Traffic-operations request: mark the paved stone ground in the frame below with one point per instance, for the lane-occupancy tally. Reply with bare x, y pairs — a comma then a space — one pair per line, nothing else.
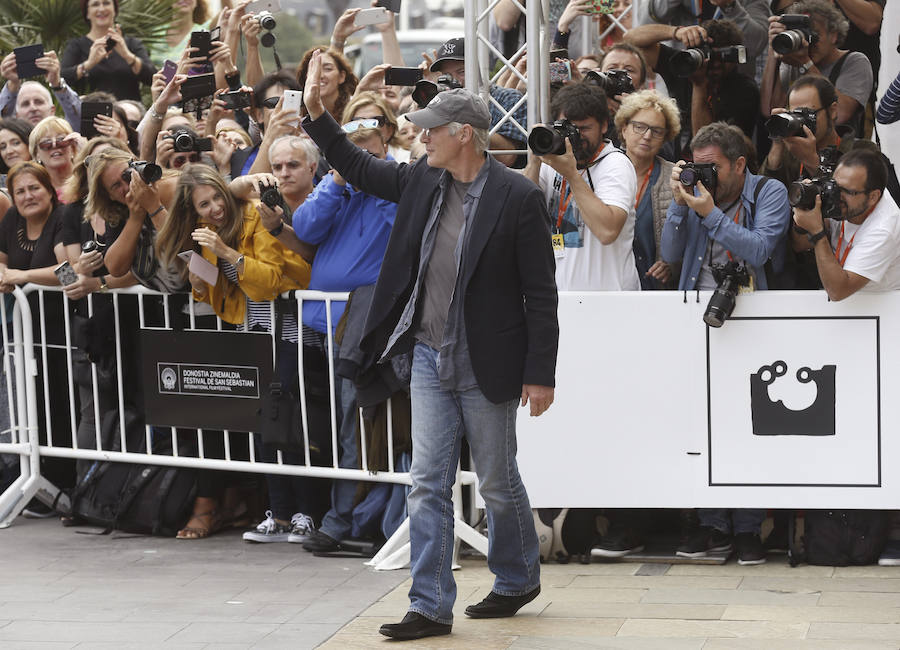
59, 589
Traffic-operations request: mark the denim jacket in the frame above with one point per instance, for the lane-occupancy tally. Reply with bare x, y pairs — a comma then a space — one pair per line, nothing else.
685, 234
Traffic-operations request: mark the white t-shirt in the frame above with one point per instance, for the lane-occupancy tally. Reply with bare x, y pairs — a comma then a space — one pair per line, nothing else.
586, 264
875, 251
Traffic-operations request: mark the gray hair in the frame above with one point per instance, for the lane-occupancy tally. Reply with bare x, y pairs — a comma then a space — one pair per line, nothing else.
480, 137
835, 21
727, 137
305, 145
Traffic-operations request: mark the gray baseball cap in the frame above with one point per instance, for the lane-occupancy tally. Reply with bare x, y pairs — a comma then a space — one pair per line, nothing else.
456, 105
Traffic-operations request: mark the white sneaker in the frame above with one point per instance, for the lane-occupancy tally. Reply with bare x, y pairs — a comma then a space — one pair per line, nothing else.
268, 530
302, 526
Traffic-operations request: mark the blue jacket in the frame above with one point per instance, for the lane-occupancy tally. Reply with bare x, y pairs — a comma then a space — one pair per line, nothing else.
685, 235
351, 230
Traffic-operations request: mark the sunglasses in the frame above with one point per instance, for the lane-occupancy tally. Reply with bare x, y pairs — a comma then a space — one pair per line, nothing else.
271, 102
180, 161
55, 143
381, 119
356, 125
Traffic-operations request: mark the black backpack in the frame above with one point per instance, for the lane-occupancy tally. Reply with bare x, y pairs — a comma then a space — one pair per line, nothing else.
840, 537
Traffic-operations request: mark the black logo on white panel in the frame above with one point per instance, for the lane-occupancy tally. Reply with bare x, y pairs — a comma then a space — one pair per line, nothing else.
773, 418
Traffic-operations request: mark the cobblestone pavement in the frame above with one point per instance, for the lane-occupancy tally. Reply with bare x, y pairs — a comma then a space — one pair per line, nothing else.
60, 589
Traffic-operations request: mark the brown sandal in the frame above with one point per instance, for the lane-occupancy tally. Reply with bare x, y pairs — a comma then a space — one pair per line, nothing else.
201, 532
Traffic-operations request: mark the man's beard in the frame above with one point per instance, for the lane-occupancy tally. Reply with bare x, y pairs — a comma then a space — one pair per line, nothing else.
585, 153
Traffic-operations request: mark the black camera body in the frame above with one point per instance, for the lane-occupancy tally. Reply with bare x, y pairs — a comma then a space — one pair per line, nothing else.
613, 82
687, 62
148, 171
797, 27
791, 123
185, 141
551, 139
89, 246
235, 99
803, 195
273, 198
706, 173
426, 90
729, 277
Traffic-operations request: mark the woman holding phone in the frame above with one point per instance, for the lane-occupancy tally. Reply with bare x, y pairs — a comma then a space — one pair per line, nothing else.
105, 59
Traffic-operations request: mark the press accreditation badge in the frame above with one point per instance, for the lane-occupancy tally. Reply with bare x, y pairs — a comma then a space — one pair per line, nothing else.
559, 246
750, 288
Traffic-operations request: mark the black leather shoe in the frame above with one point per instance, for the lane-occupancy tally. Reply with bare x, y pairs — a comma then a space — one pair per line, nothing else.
414, 626
497, 606
319, 542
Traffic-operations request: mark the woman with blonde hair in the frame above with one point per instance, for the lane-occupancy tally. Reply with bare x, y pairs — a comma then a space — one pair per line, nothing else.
645, 122
371, 105
53, 144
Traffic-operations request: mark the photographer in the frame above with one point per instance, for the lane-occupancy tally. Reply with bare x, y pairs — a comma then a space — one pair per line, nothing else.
740, 220
29, 100
622, 56
590, 192
817, 53
732, 102
859, 246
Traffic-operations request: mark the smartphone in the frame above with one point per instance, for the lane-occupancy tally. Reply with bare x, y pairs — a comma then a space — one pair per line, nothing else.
402, 76
559, 53
602, 7
373, 16
169, 69
110, 44
66, 274
235, 99
90, 110
197, 86
25, 60
390, 5
202, 41
293, 101
560, 72
263, 5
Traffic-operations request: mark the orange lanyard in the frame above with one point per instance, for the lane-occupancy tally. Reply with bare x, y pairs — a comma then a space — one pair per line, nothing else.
837, 253
737, 220
565, 200
640, 193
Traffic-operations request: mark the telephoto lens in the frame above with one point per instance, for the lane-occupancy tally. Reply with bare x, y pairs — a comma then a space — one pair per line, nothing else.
149, 172
687, 62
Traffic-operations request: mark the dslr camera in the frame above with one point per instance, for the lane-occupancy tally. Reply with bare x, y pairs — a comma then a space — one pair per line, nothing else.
270, 195
703, 172
613, 82
786, 125
803, 195
426, 90
797, 28
687, 62
187, 141
552, 139
730, 277
149, 172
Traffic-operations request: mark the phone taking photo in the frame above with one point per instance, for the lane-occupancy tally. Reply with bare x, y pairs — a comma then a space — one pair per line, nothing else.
90, 110
65, 274
373, 16
293, 101
402, 76
25, 60
201, 40
169, 69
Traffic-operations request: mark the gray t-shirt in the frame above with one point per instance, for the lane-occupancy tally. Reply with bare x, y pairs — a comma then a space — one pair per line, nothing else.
854, 80
440, 277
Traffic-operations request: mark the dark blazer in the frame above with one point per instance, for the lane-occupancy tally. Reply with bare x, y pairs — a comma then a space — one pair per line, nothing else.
509, 282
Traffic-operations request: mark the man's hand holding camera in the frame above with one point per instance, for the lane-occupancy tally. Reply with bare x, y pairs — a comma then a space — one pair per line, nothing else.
564, 164
702, 203
810, 220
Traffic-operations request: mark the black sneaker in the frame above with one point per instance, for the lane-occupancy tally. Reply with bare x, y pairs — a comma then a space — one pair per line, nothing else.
777, 541
38, 510
749, 549
705, 540
890, 556
319, 542
618, 543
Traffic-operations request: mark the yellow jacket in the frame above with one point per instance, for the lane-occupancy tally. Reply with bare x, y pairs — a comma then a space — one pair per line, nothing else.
269, 269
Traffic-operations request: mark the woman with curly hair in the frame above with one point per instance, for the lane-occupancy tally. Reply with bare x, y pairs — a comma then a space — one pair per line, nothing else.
338, 81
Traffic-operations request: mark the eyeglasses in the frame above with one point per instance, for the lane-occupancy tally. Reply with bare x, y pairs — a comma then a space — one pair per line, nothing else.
180, 161
271, 102
844, 190
356, 125
640, 128
381, 119
54, 143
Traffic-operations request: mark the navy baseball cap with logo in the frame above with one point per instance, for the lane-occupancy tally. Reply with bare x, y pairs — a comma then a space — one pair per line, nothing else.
452, 50
456, 105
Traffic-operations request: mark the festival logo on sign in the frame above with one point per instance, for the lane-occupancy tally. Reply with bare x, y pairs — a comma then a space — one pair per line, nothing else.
773, 418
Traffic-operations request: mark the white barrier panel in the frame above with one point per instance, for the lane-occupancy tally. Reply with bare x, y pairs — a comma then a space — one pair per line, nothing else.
654, 409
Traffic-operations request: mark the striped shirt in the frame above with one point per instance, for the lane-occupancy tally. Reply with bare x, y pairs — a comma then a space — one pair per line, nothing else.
259, 314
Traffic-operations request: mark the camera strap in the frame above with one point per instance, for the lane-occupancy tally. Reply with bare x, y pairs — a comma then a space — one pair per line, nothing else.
837, 253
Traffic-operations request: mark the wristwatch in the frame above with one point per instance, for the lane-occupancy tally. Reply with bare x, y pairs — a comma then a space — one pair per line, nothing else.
804, 68
104, 288
277, 229
815, 238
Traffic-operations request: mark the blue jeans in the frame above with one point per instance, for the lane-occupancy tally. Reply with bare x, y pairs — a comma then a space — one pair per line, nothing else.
439, 419
737, 520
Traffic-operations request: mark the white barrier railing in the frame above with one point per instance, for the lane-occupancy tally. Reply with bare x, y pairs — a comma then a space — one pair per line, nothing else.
21, 355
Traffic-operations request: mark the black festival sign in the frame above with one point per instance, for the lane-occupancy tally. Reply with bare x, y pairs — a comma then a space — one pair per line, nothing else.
775, 419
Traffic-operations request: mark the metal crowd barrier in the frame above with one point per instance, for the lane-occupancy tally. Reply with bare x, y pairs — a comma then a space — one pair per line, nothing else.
23, 355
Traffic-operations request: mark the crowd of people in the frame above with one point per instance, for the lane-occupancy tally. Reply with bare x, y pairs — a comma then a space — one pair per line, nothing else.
727, 137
